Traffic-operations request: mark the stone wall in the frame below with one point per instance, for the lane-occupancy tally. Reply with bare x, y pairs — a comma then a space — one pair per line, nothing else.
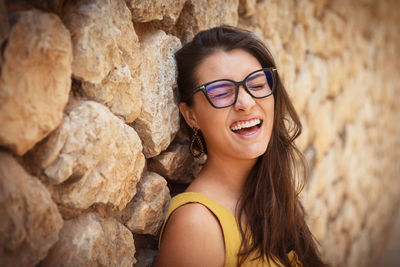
90, 143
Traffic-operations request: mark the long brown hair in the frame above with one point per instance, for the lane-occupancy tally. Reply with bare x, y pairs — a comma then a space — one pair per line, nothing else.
275, 216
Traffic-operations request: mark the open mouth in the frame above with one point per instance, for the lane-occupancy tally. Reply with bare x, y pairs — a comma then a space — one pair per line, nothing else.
246, 127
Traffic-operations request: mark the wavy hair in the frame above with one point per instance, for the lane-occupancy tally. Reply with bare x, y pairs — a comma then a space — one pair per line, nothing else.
270, 199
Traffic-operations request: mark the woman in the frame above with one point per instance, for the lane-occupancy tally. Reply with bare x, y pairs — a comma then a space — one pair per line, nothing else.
232, 98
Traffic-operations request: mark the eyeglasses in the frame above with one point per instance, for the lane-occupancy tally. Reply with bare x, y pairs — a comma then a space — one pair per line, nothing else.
223, 93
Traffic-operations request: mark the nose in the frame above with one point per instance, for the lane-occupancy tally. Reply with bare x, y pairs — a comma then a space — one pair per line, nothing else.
244, 100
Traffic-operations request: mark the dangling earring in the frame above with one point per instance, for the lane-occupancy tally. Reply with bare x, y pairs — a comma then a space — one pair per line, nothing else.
196, 137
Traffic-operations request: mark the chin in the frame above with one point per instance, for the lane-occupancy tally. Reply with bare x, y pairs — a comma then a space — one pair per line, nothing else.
252, 154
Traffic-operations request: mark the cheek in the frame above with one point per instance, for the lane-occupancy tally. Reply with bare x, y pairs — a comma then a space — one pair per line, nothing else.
213, 127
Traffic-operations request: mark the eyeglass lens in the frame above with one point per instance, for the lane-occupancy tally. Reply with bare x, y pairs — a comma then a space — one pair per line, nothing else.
223, 93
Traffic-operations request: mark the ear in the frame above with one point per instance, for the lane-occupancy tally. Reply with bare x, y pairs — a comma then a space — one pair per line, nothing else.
188, 114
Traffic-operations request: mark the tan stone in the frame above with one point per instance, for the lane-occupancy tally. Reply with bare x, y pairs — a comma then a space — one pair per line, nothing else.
320, 118
194, 18
302, 88
103, 38
325, 173
176, 163
336, 78
35, 79
247, 7
275, 46
96, 153
311, 76
287, 71
286, 15
319, 9
358, 251
318, 218
351, 221
344, 9
119, 91
334, 27
296, 46
144, 11
265, 9
158, 121
106, 54
334, 198
30, 221
92, 241
146, 212
316, 38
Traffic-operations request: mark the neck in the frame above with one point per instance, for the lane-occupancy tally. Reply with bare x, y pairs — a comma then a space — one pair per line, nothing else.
226, 175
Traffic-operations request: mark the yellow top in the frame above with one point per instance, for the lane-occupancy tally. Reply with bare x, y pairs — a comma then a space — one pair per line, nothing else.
229, 226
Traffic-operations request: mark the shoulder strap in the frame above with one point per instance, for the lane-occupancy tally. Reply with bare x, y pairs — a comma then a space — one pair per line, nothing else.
226, 219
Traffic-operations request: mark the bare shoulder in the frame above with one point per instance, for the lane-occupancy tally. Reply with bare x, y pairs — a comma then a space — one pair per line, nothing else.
192, 237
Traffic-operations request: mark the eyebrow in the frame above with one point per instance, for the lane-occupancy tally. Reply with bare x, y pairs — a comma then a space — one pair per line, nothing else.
252, 77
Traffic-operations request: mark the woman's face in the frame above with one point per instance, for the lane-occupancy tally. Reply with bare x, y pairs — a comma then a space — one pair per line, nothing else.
229, 132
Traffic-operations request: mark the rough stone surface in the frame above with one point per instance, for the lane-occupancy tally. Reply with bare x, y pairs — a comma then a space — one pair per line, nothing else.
145, 214
265, 9
144, 11
30, 221
119, 91
247, 7
95, 154
92, 241
35, 79
194, 18
158, 121
102, 35
106, 54
176, 163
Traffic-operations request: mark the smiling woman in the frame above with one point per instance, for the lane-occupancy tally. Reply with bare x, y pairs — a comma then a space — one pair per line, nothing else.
242, 209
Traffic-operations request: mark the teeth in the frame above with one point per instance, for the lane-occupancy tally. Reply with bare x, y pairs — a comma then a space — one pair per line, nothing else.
245, 124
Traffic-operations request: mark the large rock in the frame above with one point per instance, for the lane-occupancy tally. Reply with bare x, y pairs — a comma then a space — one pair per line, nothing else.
302, 89
264, 9
176, 163
145, 11
247, 7
304, 12
194, 18
119, 91
106, 54
95, 154
286, 15
158, 121
321, 123
92, 241
296, 46
35, 79
102, 35
145, 214
336, 27
30, 221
